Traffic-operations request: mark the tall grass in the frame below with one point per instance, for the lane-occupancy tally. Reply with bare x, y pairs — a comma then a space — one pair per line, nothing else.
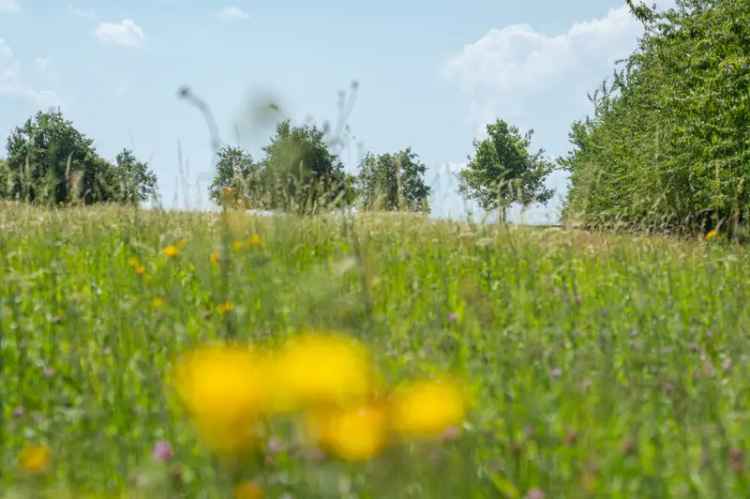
601, 366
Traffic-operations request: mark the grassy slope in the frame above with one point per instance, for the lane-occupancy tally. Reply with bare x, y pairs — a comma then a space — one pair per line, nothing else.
602, 366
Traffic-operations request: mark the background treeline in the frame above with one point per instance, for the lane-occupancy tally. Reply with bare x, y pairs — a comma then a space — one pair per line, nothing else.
300, 173
668, 146
50, 162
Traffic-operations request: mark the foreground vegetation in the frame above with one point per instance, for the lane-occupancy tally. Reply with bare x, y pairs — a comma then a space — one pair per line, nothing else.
598, 366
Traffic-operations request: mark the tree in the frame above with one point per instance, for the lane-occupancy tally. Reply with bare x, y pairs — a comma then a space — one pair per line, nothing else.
49, 161
135, 182
503, 171
393, 182
668, 145
44, 154
236, 171
300, 172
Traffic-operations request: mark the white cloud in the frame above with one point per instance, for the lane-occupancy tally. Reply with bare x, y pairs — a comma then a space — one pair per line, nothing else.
508, 69
12, 85
125, 33
233, 13
9, 6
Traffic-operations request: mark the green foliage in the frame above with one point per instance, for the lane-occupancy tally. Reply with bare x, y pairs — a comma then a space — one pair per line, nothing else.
298, 174
393, 182
51, 162
236, 170
503, 171
668, 146
135, 181
300, 171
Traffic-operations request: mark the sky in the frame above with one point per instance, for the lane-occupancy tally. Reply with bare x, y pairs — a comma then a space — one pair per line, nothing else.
430, 76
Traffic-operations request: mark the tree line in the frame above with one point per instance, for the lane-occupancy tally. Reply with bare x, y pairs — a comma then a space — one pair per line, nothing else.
50, 162
668, 145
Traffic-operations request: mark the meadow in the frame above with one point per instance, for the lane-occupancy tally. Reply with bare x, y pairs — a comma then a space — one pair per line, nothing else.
595, 365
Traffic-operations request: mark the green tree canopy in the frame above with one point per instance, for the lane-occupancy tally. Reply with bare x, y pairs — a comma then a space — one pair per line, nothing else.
301, 173
393, 182
236, 170
503, 171
49, 161
668, 145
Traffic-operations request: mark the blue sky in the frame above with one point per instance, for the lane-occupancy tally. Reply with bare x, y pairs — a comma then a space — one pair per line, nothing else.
431, 74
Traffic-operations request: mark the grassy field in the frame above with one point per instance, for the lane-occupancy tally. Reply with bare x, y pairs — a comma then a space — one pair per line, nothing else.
598, 365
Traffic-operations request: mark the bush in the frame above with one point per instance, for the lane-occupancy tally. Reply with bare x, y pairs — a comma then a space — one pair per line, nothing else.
668, 145
51, 162
393, 182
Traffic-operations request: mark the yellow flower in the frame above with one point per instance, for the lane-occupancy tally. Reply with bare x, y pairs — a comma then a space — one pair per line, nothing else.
254, 241
139, 270
427, 409
171, 251
158, 303
224, 389
322, 369
353, 434
215, 257
35, 459
133, 261
225, 308
713, 234
248, 490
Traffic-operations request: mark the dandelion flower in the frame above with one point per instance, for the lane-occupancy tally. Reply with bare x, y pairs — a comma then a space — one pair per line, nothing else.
353, 434
713, 234
35, 459
171, 251
427, 409
224, 390
215, 257
248, 490
139, 270
322, 369
225, 308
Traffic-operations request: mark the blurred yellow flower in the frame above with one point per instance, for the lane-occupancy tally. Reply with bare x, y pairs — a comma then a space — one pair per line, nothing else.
427, 409
158, 303
248, 490
254, 241
322, 369
171, 251
354, 434
139, 269
224, 389
713, 234
215, 257
225, 308
35, 459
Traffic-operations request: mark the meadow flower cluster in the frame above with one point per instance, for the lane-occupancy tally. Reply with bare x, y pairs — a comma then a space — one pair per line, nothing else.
327, 384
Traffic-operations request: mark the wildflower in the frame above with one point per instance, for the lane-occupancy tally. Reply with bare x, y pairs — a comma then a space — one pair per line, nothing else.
321, 369
225, 308
224, 390
162, 451
536, 494
171, 251
254, 241
139, 270
133, 261
427, 409
35, 459
712, 234
158, 303
215, 257
248, 490
353, 434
